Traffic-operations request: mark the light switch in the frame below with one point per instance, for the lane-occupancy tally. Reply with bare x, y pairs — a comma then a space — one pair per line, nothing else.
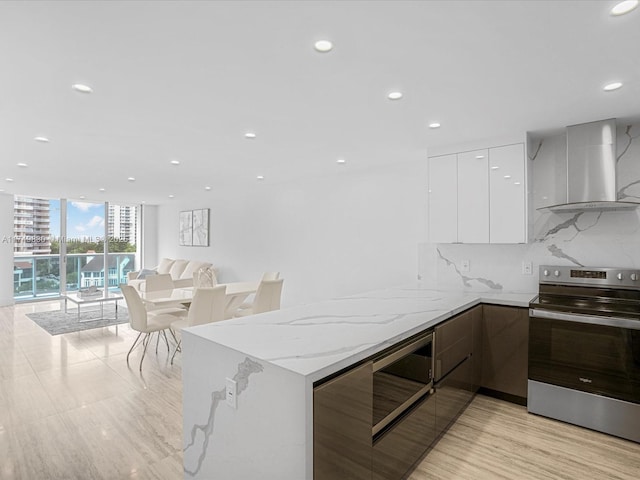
527, 268
231, 393
465, 266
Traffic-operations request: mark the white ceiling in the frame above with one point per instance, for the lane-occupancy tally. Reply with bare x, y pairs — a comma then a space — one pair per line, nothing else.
185, 80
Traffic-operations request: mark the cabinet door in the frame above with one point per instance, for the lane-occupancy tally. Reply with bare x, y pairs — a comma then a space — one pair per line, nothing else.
342, 413
505, 349
453, 342
473, 197
507, 215
453, 394
477, 320
443, 199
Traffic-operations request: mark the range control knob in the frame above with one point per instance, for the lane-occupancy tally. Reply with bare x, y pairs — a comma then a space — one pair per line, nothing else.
620, 276
545, 273
634, 277
556, 273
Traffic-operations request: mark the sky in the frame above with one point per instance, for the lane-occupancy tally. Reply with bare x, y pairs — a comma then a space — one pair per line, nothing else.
83, 220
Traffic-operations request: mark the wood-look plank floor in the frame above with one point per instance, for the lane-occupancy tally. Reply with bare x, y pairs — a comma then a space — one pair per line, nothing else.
493, 439
71, 408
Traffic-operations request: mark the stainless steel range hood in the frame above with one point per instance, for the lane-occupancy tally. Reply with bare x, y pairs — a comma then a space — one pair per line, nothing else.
591, 169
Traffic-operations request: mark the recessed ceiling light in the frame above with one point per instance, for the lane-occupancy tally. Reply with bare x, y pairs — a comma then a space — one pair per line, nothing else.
172, 196
132, 179
260, 177
394, 95
22, 165
41, 139
101, 189
82, 197
207, 188
249, 135
434, 125
507, 176
495, 168
323, 46
175, 162
612, 86
624, 7
143, 201
479, 156
9, 179
516, 183
341, 161
79, 87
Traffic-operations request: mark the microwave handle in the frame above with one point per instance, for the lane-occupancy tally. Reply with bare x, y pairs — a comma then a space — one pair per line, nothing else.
403, 352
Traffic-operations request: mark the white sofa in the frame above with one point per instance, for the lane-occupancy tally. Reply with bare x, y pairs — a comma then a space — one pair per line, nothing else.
181, 272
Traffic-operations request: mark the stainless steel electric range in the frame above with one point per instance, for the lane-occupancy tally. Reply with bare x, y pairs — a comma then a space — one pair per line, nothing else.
584, 348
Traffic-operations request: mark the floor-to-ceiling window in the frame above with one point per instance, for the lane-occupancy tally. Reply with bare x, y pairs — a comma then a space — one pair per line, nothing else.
36, 269
67, 245
122, 227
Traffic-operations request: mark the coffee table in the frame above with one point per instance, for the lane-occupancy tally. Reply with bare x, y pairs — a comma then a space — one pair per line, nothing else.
87, 299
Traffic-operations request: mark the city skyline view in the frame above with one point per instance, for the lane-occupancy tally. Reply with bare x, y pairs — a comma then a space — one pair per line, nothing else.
38, 225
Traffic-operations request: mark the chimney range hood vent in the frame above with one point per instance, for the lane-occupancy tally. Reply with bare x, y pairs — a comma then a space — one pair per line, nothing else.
591, 169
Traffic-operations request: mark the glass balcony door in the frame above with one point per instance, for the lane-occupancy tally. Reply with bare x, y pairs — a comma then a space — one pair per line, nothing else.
83, 247
67, 245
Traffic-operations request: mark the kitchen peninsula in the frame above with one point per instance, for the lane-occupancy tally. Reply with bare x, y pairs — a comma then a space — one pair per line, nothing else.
249, 383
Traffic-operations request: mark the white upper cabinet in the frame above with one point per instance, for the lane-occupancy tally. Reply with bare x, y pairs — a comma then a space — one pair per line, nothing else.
478, 196
507, 190
473, 197
443, 199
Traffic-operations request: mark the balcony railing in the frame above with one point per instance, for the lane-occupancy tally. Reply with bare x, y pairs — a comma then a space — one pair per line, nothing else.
38, 276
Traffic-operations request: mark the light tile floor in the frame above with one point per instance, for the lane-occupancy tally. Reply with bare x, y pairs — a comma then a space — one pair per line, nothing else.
71, 408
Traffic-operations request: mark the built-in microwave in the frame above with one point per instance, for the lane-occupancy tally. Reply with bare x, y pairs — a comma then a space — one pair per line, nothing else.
401, 378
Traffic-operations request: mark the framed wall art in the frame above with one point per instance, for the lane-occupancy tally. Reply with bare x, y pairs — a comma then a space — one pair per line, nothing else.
194, 228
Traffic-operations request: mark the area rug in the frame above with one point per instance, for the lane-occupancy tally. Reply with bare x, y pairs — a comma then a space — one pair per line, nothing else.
57, 322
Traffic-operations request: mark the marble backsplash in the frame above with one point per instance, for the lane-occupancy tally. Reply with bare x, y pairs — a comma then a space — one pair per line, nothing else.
595, 239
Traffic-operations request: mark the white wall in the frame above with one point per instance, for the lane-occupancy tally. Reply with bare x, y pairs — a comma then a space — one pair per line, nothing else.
148, 236
331, 236
6, 249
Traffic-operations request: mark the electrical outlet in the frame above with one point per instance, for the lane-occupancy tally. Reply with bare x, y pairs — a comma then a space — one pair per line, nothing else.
527, 268
464, 266
231, 393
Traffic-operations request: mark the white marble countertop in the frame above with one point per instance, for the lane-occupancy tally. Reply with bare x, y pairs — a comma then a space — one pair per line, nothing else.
319, 339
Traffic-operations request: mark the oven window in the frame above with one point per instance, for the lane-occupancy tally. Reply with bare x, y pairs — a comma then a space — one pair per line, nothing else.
593, 358
398, 382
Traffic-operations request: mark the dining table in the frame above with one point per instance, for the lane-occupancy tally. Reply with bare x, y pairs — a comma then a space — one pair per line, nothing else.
236, 293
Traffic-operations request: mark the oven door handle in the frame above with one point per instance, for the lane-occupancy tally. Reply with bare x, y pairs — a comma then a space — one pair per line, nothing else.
592, 319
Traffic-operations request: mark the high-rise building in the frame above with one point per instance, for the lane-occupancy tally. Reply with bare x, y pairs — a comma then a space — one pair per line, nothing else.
31, 226
122, 223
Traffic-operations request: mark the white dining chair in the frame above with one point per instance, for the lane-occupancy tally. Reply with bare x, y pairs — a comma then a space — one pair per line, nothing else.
267, 298
204, 277
161, 281
265, 276
147, 322
207, 306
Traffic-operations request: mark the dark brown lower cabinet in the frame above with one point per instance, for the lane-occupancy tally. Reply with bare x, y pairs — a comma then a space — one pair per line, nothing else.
476, 320
484, 346
397, 449
453, 393
505, 349
342, 412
